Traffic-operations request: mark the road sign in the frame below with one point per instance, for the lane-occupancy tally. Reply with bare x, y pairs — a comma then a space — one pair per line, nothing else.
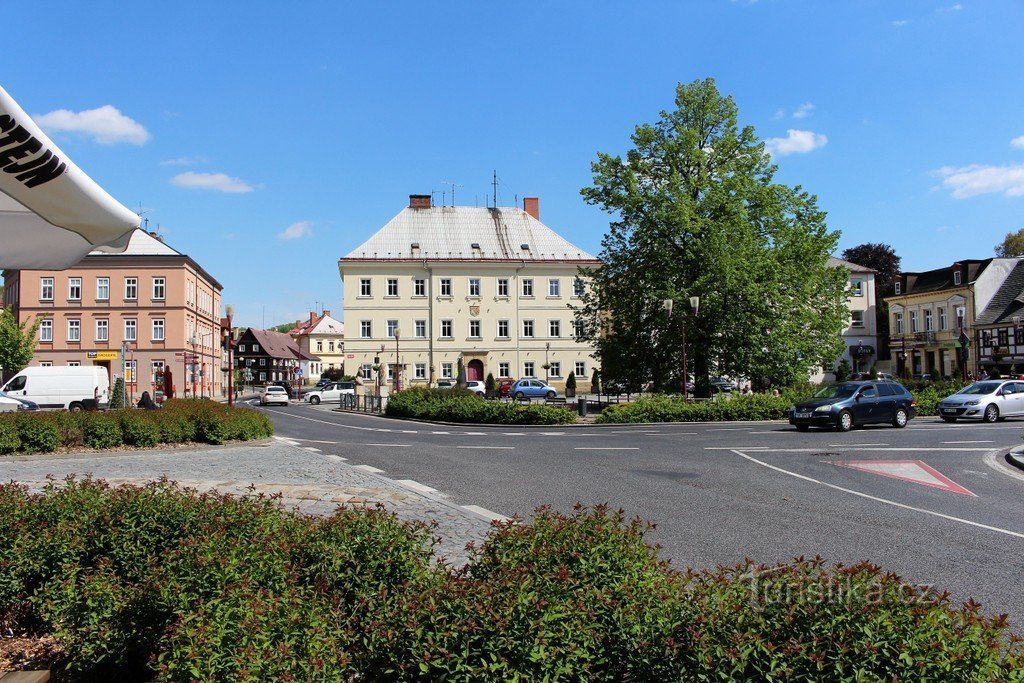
908, 470
298, 372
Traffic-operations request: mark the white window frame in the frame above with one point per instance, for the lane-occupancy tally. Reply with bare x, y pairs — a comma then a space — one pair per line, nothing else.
419, 371
446, 329
504, 368
555, 369
131, 330
420, 329
503, 286
74, 330
366, 371
255, 348
554, 329
419, 286
554, 287
528, 329
928, 320
74, 363
74, 289
474, 329
159, 288
578, 287
392, 287
159, 328
957, 278
913, 322
896, 288
856, 286
102, 330
527, 287
898, 322
856, 321
529, 369
366, 329
131, 289
580, 368
943, 320
46, 289
365, 287
392, 328
474, 287
447, 371
445, 286
503, 329
103, 289
46, 330
578, 329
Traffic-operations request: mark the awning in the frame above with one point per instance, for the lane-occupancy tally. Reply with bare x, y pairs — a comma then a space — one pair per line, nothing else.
51, 213
861, 350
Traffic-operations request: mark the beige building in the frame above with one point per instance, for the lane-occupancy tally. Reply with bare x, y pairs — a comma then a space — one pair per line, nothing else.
492, 287
860, 336
323, 337
156, 302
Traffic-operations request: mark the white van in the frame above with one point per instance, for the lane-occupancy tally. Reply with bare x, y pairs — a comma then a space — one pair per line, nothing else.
61, 386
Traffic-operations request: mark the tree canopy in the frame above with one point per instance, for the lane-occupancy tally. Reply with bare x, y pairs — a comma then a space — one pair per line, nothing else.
1012, 245
17, 342
879, 257
696, 212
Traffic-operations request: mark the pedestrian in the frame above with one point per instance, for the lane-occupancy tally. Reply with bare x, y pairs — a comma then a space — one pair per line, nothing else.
146, 403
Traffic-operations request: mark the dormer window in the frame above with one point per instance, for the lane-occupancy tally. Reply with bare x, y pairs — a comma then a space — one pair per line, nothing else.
475, 246
524, 246
897, 287
956, 277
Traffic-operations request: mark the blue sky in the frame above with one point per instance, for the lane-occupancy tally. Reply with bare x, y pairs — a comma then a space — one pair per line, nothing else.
269, 139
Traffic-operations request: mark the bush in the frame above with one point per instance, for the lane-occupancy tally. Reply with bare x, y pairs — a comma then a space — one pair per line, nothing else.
38, 432
118, 397
659, 408
102, 430
138, 429
456, 405
9, 439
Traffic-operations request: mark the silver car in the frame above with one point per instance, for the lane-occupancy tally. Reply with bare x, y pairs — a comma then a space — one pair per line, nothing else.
988, 400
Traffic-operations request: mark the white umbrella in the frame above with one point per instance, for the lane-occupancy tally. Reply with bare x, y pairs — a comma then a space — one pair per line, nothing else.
51, 213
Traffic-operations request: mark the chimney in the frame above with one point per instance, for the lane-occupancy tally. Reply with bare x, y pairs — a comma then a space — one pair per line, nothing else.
419, 201
327, 311
531, 205
312, 317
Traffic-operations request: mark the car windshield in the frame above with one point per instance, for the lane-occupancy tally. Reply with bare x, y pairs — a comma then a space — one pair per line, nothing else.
979, 388
275, 390
836, 391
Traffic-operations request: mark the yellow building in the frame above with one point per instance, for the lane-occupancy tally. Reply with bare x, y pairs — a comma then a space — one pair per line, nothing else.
492, 287
321, 336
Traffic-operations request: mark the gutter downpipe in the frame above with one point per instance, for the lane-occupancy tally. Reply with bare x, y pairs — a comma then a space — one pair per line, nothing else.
430, 322
519, 291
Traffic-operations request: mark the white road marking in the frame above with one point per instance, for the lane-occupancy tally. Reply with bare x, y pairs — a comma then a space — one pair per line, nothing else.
295, 438
336, 458
368, 468
500, 448
885, 501
513, 433
416, 486
607, 448
847, 445
552, 433
965, 442
440, 432
818, 450
310, 448
385, 445
474, 433
728, 429
486, 513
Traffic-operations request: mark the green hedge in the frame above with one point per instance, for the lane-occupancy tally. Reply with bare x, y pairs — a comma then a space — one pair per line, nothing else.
155, 581
180, 421
455, 405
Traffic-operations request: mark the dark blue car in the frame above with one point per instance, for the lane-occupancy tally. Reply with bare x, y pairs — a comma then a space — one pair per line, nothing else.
846, 405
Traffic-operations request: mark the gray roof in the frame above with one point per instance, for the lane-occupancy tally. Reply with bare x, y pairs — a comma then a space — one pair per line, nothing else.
1008, 299
449, 233
834, 262
142, 243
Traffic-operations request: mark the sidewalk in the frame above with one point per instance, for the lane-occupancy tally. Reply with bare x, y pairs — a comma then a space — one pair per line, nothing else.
309, 482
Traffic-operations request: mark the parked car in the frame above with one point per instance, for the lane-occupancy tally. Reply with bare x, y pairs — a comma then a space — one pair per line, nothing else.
331, 393
988, 400
323, 381
853, 404
287, 386
529, 388
722, 384
445, 384
505, 385
924, 377
273, 393
12, 404
477, 387
61, 386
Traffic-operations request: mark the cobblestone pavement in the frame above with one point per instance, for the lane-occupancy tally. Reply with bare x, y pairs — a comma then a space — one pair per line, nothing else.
309, 482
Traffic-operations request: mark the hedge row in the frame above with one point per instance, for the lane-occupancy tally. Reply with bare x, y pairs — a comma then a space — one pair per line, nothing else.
456, 405
141, 582
180, 421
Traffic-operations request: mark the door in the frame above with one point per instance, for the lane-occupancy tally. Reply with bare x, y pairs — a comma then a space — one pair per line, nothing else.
865, 405
1013, 396
475, 370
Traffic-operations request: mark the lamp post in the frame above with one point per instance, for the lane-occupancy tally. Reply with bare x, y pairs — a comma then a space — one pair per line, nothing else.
860, 354
230, 310
192, 362
694, 307
398, 364
964, 340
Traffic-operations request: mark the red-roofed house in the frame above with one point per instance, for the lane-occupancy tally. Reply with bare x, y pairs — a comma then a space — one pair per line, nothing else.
321, 336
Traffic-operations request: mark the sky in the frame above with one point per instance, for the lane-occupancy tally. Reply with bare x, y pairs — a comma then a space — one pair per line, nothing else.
267, 140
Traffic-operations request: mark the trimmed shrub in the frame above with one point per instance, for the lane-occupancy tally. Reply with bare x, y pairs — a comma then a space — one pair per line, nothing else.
9, 439
102, 430
138, 429
659, 408
456, 405
38, 432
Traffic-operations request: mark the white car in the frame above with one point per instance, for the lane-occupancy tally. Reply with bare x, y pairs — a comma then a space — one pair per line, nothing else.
331, 393
477, 387
10, 404
273, 394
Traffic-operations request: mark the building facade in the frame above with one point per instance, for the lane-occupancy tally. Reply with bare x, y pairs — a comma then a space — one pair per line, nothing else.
322, 337
491, 289
860, 336
934, 315
999, 328
143, 310
266, 356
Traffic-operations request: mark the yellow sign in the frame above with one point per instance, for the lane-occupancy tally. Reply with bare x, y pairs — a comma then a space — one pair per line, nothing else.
102, 355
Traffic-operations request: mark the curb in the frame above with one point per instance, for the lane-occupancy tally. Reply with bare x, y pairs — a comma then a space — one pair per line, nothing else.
183, 448
1016, 457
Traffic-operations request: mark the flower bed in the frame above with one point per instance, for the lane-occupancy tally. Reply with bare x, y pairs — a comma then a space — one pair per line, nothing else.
180, 421
141, 582
454, 405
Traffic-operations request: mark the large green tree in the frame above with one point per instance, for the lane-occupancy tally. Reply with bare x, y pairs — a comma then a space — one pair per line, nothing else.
17, 343
1012, 245
696, 212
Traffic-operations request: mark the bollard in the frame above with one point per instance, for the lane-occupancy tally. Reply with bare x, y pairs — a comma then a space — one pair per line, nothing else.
581, 406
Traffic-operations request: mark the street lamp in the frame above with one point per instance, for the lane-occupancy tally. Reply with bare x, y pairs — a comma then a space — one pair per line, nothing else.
860, 354
229, 342
398, 364
694, 307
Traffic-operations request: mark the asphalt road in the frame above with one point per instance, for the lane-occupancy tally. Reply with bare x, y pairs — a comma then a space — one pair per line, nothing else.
722, 492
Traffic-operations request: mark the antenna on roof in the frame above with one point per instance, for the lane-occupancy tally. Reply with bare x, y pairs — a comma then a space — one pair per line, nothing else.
494, 185
144, 222
454, 185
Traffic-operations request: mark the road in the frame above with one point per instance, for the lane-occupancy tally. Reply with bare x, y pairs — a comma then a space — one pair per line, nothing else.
931, 502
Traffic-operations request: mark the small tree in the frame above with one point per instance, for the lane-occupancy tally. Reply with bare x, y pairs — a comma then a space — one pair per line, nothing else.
873, 372
595, 382
843, 370
490, 386
17, 342
570, 385
118, 399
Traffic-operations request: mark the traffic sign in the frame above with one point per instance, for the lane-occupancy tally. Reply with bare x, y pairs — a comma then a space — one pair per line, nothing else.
298, 372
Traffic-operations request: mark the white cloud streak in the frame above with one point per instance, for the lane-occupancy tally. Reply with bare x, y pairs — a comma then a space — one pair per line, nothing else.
1017, 143
795, 142
296, 231
106, 125
901, 22
970, 181
184, 161
217, 182
803, 111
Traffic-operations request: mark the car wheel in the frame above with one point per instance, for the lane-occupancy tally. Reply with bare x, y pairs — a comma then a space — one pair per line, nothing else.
845, 421
315, 400
802, 428
948, 419
75, 407
991, 413
519, 395
900, 418
551, 394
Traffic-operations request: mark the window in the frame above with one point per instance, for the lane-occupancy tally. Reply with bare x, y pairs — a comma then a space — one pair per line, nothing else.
391, 372
913, 321
503, 329
898, 322
502, 286
555, 370
392, 286
319, 345
577, 287
255, 348
527, 328
474, 286
46, 331
528, 369
896, 288
46, 363
446, 286
159, 288
856, 287
74, 330
46, 289
364, 287
330, 346
75, 288
504, 369
365, 329
157, 370
419, 371
420, 327
263, 377
102, 329
928, 320
554, 287
419, 287
158, 329
241, 348
986, 338
527, 287
578, 329
74, 364
581, 368
554, 328
131, 330
1018, 336
103, 289
446, 371
474, 329
1004, 337
366, 371
263, 362
943, 324
858, 319
392, 328
131, 288
446, 328
956, 277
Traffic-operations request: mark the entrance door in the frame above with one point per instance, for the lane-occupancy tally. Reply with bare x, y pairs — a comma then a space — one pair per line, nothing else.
475, 370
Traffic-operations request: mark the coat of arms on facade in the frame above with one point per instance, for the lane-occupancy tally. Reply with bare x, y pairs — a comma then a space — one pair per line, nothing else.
474, 309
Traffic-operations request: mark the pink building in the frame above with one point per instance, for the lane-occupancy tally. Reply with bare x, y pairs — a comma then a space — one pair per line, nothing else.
145, 310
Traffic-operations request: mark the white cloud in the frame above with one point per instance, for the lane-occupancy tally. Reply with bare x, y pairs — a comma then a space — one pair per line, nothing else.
296, 231
1017, 143
952, 8
803, 111
901, 22
970, 181
105, 125
218, 182
184, 161
795, 142
779, 114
